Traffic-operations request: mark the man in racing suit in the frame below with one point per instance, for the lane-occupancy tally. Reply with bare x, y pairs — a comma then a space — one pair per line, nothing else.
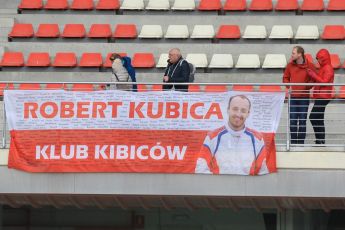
233, 148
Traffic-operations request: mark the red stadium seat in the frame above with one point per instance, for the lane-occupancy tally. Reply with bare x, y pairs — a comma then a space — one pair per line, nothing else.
215, 88
21, 31
65, 60
312, 5
235, 5
29, 86
107, 62
100, 31
4, 86
333, 32
56, 5
126, 31
48, 31
82, 5
245, 88
30, 5
108, 5
341, 92
54, 86
206, 5
309, 58
82, 87
335, 60
286, 5
38, 60
143, 60
90, 60
12, 59
74, 31
229, 32
261, 5
142, 88
157, 88
194, 88
336, 5
270, 88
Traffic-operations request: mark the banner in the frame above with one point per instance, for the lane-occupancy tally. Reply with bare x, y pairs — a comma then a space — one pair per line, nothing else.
150, 132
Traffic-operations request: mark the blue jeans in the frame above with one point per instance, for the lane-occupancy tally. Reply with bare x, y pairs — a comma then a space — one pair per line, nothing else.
298, 119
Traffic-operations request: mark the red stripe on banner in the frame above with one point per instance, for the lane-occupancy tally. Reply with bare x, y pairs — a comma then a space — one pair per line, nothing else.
146, 151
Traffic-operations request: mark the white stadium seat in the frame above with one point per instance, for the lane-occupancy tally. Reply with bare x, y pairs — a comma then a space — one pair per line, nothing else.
307, 32
158, 5
183, 5
151, 31
255, 32
274, 61
162, 62
281, 32
203, 31
248, 61
221, 61
198, 60
177, 31
132, 5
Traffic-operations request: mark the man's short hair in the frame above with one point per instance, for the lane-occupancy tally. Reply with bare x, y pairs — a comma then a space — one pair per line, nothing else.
177, 50
114, 56
240, 96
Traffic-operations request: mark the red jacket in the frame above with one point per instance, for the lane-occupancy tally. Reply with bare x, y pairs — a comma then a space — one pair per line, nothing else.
297, 73
325, 75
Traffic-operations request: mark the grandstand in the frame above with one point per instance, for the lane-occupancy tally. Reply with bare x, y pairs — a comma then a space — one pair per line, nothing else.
232, 43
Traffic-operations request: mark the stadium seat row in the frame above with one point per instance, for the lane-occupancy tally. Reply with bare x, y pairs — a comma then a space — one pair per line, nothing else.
147, 60
204, 5
143, 88
129, 31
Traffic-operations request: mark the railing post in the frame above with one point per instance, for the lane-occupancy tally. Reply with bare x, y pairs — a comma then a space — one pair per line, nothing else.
4, 126
288, 122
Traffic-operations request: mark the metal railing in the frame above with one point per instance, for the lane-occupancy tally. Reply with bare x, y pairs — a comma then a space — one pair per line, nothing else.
334, 114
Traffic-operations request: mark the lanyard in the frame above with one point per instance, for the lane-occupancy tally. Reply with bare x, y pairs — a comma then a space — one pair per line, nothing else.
174, 69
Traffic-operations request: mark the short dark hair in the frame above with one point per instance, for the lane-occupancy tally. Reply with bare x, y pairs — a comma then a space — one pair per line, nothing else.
240, 96
114, 56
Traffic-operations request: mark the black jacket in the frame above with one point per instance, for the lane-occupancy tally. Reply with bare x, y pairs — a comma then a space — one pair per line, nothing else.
178, 72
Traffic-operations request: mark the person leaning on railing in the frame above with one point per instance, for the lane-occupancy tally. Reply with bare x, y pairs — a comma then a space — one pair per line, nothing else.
322, 94
296, 72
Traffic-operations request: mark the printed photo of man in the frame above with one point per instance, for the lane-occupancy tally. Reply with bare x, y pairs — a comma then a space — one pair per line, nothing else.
233, 148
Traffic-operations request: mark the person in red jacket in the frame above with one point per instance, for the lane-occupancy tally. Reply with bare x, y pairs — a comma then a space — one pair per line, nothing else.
296, 72
322, 94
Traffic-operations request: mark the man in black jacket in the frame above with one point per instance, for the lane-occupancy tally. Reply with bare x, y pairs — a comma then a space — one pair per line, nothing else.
177, 71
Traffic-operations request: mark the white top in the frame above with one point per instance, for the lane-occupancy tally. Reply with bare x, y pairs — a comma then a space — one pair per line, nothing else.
233, 151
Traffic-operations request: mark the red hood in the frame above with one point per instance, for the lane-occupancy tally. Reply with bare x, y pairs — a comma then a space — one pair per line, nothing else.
323, 57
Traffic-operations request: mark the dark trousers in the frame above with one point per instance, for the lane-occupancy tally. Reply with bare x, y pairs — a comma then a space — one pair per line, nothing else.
316, 117
298, 119
182, 88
